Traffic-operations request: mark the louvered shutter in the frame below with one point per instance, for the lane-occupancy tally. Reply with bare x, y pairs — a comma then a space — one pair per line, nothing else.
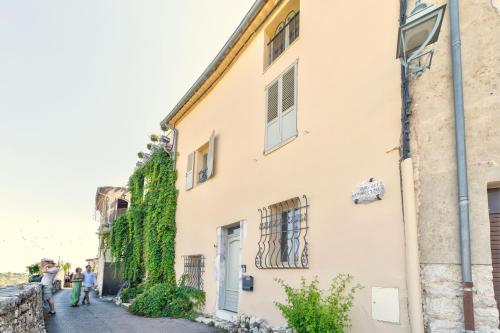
210, 158
273, 136
190, 171
288, 104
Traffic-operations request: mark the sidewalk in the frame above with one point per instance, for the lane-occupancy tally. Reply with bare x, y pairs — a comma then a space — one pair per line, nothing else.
102, 316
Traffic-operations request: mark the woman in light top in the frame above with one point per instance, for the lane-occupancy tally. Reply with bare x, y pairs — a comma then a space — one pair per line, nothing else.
76, 287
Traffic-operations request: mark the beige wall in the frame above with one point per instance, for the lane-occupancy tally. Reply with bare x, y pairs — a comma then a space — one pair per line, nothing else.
348, 122
433, 152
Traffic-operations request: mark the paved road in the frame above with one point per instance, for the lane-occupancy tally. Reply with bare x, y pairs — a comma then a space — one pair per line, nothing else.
103, 316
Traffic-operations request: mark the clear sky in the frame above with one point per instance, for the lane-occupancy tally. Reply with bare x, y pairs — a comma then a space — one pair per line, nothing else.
82, 85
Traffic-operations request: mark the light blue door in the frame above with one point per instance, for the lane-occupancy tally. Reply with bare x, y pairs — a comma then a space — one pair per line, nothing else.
232, 280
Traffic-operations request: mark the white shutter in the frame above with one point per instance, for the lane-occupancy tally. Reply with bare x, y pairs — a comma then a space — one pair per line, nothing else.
288, 104
273, 136
210, 158
190, 171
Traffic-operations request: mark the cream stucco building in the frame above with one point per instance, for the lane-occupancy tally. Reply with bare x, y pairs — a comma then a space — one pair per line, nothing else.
110, 203
301, 107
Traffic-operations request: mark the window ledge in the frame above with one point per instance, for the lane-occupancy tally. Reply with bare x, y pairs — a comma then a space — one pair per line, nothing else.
278, 146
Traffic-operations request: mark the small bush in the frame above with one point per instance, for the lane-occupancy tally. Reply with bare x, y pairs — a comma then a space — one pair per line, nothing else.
166, 300
129, 294
308, 311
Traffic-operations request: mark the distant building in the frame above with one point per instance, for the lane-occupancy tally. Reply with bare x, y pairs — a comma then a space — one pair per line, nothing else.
110, 203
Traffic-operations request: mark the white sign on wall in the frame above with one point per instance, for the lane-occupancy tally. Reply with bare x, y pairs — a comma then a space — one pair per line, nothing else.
368, 191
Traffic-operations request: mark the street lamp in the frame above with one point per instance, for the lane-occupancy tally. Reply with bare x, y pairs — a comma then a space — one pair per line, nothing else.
420, 30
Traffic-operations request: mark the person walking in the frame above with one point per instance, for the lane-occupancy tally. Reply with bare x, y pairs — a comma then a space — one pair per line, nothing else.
76, 287
89, 280
49, 273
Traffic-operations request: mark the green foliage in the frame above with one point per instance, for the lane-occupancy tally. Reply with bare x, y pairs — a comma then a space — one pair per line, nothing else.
308, 311
140, 154
129, 294
167, 300
143, 239
34, 268
154, 137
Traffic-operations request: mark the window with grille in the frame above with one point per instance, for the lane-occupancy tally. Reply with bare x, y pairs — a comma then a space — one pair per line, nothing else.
281, 110
194, 266
286, 33
283, 235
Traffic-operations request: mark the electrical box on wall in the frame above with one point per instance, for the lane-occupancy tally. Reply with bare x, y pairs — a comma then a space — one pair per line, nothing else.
385, 304
247, 283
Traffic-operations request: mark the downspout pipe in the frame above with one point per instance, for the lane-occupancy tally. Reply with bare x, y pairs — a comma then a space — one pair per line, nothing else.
461, 156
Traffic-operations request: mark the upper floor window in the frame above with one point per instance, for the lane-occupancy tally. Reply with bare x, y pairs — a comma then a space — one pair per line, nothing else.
286, 33
281, 110
201, 163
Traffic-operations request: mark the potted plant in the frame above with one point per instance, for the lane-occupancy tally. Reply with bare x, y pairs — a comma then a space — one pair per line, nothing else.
164, 140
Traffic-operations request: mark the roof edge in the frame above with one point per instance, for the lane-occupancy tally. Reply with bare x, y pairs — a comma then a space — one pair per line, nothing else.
231, 42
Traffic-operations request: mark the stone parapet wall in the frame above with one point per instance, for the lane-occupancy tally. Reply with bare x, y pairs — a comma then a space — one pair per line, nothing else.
21, 309
442, 298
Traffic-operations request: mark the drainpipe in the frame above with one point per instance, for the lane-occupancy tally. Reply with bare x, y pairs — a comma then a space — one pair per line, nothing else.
463, 191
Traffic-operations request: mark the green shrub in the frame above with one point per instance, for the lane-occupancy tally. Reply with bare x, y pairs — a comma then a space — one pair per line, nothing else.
308, 311
166, 300
129, 294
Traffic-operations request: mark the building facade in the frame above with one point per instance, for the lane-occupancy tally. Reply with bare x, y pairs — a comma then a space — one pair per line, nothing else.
110, 203
434, 164
300, 115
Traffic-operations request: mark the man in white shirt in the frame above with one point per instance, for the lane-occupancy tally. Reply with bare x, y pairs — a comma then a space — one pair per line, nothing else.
89, 280
49, 273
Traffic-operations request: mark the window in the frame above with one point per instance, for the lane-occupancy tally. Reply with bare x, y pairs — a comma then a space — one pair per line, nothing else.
205, 167
286, 33
283, 231
281, 110
194, 266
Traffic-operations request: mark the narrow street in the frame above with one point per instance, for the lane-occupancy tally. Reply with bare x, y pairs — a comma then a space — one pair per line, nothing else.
103, 316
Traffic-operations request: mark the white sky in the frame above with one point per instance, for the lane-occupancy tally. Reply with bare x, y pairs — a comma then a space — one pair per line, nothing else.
82, 85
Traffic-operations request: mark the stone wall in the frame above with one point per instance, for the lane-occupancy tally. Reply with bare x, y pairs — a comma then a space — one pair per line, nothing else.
442, 297
21, 309
433, 155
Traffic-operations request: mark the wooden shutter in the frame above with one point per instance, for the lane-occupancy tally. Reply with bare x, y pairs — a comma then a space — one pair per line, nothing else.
273, 136
288, 104
190, 171
210, 158
494, 208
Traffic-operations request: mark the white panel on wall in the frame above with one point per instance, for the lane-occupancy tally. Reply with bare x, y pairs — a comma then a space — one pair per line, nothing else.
385, 304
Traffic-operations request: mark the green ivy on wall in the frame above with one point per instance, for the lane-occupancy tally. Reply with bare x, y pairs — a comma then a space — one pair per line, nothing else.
142, 241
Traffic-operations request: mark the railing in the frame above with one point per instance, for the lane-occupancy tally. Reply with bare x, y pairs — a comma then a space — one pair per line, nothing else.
283, 235
203, 176
286, 36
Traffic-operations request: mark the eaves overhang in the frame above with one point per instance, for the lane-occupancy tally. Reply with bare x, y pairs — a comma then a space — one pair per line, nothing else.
252, 21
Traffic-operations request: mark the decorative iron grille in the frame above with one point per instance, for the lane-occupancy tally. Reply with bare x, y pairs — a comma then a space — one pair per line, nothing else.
287, 32
283, 235
194, 266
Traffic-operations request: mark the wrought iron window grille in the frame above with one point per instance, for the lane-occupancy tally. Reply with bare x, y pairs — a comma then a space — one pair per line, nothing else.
202, 175
194, 266
283, 235
286, 33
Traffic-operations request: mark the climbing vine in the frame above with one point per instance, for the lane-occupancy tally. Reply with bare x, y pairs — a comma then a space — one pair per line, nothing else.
142, 241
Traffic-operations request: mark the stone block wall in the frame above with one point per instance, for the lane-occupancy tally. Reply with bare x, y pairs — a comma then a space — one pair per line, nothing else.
21, 309
442, 298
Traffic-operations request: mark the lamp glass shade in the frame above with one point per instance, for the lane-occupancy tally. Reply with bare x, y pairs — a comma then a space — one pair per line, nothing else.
415, 32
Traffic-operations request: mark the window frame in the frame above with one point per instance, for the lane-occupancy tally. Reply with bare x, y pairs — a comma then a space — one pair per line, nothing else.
280, 76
